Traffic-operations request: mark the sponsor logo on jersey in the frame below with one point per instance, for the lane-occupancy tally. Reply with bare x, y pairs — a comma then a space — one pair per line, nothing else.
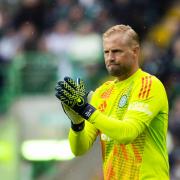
140, 107
123, 101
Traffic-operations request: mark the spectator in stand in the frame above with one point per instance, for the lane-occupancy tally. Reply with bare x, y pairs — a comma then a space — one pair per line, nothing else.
31, 11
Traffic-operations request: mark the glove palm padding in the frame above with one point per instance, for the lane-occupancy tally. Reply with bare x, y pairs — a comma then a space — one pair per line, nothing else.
72, 115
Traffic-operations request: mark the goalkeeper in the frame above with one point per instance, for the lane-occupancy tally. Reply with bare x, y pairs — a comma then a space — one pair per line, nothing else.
130, 113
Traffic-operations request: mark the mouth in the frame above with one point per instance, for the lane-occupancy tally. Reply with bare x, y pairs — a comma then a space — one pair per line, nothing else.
109, 65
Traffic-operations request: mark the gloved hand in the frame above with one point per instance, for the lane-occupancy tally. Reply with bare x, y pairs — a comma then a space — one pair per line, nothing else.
74, 95
72, 115
77, 122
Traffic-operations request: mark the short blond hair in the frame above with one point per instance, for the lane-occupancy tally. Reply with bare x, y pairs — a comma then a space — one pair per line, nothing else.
123, 29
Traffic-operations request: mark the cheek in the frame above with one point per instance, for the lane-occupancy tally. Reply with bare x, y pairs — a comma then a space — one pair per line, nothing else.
130, 61
105, 56
124, 60
121, 58
128, 57
106, 59
106, 63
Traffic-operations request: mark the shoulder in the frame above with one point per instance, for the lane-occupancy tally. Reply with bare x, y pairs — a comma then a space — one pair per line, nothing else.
103, 91
146, 79
104, 86
147, 84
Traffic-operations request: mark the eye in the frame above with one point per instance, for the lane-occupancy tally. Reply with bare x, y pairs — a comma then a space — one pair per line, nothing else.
106, 52
117, 51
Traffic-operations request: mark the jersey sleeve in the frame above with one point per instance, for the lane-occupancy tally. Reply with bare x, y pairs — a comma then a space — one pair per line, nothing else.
82, 141
147, 100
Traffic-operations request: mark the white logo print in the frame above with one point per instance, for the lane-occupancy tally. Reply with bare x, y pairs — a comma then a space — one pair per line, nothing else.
140, 107
104, 137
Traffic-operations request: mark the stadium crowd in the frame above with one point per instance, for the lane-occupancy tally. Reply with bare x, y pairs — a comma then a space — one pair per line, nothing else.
70, 32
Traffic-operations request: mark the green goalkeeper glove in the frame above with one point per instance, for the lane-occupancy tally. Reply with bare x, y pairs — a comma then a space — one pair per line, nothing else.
74, 95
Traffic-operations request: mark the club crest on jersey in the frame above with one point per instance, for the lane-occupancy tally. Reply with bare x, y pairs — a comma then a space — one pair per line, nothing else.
123, 101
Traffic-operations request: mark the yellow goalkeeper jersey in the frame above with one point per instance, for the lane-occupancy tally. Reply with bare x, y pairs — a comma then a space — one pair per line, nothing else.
131, 119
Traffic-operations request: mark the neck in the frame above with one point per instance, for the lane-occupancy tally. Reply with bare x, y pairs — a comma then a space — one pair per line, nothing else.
128, 74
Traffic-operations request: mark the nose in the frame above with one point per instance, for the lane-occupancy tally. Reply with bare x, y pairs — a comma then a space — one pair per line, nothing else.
111, 56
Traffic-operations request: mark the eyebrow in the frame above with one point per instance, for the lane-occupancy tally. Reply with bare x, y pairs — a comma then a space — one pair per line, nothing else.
113, 50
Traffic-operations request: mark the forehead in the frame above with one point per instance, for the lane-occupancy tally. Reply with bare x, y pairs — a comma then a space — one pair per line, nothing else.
115, 40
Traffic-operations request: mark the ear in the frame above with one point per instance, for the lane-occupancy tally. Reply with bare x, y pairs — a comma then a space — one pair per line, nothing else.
136, 51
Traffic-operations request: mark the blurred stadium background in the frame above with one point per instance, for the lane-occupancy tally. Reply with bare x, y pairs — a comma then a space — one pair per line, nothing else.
41, 41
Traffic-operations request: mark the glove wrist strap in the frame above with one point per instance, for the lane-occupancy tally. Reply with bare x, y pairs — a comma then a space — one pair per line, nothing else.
78, 127
87, 111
